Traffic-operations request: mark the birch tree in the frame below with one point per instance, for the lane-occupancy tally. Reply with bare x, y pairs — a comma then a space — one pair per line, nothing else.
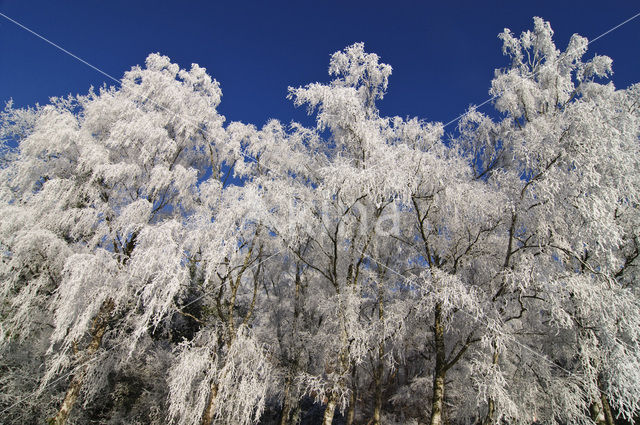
566, 154
107, 179
376, 265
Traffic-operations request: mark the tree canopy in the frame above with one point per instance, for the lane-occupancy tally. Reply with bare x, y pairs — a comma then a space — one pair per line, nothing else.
162, 266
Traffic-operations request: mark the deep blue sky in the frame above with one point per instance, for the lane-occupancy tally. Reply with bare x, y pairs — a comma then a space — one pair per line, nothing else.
443, 53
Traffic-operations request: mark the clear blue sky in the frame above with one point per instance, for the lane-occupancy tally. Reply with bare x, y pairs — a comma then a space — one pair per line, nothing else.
443, 53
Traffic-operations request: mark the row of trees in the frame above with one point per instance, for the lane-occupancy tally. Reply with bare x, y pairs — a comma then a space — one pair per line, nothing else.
160, 265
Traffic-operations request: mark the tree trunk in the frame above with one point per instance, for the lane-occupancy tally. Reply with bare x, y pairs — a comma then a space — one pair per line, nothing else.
98, 329
286, 411
606, 409
329, 411
490, 412
597, 415
378, 373
69, 400
286, 404
601, 411
491, 405
293, 364
351, 410
343, 365
437, 402
207, 418
377, 377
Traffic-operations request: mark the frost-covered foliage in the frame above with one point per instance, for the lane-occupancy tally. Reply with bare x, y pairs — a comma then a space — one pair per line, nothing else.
160, 266
202, 373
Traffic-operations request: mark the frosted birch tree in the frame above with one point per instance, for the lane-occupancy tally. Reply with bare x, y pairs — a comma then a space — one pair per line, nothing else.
108, 180
370, 263
352, 196
565, 153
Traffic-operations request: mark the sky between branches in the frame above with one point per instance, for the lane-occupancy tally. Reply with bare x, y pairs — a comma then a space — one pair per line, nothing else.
443, 55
